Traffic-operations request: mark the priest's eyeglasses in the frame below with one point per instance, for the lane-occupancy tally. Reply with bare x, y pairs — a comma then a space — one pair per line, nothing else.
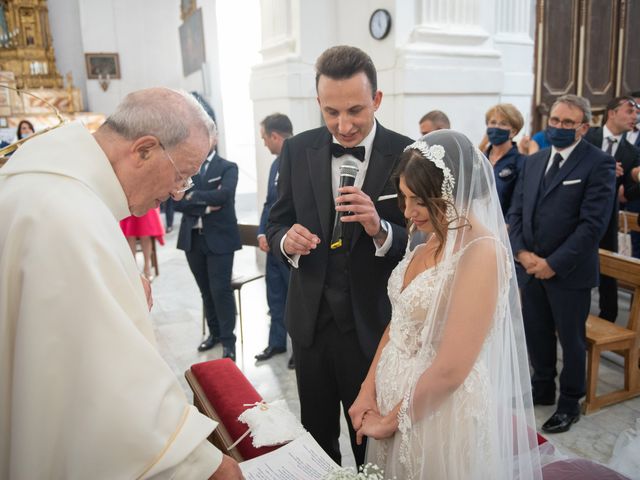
187, 183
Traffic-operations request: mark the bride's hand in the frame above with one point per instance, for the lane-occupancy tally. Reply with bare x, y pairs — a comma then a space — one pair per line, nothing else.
376, 426
365, 401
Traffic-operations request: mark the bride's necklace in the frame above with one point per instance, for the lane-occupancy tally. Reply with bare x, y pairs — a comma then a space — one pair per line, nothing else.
428, 251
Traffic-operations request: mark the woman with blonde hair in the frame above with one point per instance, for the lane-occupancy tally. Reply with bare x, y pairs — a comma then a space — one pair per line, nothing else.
504, 121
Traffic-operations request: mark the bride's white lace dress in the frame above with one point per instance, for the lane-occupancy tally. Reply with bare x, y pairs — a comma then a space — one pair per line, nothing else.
447, 443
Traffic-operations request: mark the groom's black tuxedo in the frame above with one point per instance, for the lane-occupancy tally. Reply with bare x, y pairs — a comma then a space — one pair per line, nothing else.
305, 197
337, 305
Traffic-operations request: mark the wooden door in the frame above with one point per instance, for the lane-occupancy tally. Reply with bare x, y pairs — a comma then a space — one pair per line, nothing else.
584, 47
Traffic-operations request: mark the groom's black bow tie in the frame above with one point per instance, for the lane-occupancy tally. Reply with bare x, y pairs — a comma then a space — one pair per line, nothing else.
338, 150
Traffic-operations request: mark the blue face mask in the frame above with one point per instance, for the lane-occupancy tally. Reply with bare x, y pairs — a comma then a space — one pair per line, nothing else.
497, 136
561, 137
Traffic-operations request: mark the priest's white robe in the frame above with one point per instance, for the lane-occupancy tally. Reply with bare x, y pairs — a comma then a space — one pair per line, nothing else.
84, 393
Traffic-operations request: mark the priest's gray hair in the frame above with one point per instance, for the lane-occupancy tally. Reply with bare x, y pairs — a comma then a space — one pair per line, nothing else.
167, 114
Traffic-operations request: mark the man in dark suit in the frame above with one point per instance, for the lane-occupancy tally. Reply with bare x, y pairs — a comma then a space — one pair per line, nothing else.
620, 116
559, 212
209, 235
338, 306
633, 137
274, 130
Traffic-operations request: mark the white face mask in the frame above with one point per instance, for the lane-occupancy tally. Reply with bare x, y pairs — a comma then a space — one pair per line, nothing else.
26, 134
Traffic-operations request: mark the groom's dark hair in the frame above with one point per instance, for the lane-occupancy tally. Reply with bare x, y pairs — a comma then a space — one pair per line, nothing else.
343, 62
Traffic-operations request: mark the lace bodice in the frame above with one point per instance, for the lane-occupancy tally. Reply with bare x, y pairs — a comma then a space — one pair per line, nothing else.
405, 357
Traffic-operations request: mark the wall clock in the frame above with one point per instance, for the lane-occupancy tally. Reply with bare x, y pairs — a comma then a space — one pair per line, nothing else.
380, 23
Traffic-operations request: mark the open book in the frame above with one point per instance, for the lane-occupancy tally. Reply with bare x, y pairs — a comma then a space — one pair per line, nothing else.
301, 459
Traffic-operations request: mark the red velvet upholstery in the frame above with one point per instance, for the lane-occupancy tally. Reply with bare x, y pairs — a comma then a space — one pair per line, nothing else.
228, 390
579, 469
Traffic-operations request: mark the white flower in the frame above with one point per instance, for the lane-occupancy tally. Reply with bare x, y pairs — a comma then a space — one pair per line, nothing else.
367, 472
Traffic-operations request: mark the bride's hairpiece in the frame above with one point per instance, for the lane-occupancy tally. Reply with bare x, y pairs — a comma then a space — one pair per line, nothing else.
435, 154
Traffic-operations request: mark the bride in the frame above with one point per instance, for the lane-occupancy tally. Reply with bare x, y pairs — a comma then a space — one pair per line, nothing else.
448, 394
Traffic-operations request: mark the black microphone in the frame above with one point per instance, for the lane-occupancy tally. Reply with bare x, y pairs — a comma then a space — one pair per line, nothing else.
348, 172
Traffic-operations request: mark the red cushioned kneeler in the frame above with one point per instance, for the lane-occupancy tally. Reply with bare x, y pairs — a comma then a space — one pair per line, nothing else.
220, 391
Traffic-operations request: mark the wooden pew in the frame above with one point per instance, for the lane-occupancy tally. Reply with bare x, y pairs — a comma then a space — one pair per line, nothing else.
632, 221
606, 336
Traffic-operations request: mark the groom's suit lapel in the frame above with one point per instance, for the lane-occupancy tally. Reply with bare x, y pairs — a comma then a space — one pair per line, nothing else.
319, 162
381, 164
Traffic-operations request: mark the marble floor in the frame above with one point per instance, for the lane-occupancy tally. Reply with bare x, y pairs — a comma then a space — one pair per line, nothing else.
177, 318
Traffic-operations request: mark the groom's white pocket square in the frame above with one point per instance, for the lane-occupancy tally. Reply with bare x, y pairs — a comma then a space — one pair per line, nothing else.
211, 180
571, 182
387, 197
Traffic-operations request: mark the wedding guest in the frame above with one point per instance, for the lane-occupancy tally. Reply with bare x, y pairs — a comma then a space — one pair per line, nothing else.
559, 212
504, 121
274, 130
147, 228
25, 129
432, 121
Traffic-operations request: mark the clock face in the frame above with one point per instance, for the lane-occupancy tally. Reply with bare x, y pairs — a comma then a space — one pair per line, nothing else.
380, 24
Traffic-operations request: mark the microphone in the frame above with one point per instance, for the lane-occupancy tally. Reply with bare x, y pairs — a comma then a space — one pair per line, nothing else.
348, 172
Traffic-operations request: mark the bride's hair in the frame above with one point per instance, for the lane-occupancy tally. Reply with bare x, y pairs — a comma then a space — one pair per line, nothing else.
425, 177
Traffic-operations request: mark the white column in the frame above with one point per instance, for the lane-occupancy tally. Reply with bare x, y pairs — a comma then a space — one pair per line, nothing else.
294, 33
514, 40
513, 18
448, 62
278, 37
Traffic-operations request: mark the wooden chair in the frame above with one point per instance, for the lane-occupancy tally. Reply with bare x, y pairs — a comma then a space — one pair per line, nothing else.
248, 238
632, 221
606, 336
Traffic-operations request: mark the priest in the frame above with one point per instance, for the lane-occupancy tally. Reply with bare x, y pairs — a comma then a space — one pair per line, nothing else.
84, 392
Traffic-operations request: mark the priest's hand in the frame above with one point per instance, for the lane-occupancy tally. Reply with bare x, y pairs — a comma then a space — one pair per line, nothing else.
228, 470
146, 284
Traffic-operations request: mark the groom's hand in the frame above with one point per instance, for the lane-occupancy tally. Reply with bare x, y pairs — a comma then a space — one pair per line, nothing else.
376, 426
364, 402
354, 200
300, 241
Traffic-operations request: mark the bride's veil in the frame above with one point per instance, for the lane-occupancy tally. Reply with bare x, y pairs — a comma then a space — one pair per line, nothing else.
493, 431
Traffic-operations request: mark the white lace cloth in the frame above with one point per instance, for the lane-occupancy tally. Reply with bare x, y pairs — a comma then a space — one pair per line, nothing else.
271, 424
459, 429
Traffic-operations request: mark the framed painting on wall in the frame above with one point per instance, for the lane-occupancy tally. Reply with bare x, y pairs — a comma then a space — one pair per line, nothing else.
100, 65
192, 43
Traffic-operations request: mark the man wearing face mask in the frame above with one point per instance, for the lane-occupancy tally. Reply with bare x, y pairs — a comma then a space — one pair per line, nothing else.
504, 121
620, 117
559, 212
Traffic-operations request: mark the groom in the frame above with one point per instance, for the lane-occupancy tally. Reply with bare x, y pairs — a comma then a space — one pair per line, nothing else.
337, 305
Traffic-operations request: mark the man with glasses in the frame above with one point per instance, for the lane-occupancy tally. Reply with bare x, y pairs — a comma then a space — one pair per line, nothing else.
83, 388
560, 210
620, 117
209, 236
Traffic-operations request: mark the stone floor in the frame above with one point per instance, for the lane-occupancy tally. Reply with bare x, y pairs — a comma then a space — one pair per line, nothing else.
177, 317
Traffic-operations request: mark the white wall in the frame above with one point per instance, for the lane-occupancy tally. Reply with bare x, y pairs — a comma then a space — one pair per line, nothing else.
145, 34
66, 33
